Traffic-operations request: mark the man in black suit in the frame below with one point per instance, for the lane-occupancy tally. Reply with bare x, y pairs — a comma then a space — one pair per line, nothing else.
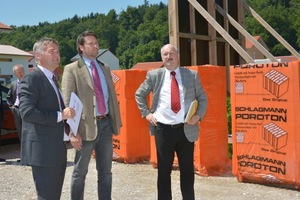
13, 97
43, 137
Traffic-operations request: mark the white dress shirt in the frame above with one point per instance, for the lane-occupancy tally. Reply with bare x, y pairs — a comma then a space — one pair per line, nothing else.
163, 113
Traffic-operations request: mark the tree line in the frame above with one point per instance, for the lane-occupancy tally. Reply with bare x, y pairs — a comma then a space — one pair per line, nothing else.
283, 16
137, 33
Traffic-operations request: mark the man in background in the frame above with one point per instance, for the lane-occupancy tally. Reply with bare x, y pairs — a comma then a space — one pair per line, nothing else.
13, 98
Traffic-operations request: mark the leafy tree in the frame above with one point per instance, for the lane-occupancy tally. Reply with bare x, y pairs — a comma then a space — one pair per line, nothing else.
108, 31
280, 16
137, 33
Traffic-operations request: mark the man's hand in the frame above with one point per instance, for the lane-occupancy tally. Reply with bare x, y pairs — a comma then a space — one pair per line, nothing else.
68, 113
150, 117
194, 120
76, 141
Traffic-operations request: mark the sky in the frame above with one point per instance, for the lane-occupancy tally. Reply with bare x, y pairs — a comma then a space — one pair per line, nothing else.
20, 12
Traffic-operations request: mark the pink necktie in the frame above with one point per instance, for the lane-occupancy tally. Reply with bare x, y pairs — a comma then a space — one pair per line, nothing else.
175, 98
98, 90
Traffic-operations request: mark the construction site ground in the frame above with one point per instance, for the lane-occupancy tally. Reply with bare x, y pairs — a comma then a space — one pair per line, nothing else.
132, 181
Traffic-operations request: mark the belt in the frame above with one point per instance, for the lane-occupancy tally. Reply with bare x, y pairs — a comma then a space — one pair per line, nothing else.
66, 142
172, 125
101, 117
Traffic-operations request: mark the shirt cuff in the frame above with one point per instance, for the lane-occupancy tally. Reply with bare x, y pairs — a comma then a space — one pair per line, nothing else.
59, 116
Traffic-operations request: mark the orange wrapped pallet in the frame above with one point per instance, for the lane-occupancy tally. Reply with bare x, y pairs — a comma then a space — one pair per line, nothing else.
265, 99
211, 149
133, 143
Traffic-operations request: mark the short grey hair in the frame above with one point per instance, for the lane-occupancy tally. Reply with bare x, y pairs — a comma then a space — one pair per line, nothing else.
16, 66
40, 45
175, 48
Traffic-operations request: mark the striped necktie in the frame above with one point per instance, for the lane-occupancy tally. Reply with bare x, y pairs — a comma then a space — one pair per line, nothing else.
175, 98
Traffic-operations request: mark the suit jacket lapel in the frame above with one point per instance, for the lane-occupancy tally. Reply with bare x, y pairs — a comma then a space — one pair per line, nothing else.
45, 80
161, 77
157, 88
184, 79
85, 73
107, 75
105, 72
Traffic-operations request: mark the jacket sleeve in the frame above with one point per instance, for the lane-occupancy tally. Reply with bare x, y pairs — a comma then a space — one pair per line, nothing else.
9, 97
141, 95
201, 97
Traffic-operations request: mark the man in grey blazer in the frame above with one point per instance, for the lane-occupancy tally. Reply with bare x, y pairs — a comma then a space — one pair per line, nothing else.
13, 97
168, 125
100, 117
43, 137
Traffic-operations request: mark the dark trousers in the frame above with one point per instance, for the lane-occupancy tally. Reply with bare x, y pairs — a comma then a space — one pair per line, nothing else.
168, 141
18, 121
49, 180
104, 152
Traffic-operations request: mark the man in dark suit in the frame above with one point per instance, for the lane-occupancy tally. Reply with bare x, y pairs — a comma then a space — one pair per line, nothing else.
43, 113
167, 121
100, 117
13, 97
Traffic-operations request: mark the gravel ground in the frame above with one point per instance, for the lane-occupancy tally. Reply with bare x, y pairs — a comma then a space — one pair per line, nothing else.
130, 182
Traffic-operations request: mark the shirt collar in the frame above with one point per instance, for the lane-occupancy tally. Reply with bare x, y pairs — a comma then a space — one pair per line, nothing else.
177, 71
88, 61
47, 72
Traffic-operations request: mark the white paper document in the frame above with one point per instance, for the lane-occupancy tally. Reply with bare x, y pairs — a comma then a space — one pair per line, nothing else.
76, 104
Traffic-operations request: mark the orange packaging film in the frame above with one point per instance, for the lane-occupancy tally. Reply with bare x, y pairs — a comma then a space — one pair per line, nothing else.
265, 102
133, 143
211, 149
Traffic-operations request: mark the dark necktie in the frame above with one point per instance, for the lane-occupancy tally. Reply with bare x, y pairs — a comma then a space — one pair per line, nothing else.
62, 104
175, 98
98, 90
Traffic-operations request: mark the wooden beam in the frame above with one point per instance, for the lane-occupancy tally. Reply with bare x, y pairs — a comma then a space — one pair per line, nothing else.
226, 27
194, 36
173, 23
212, 45
193, 41
227, 49
246, 34
221, 31
241, 20
272, 31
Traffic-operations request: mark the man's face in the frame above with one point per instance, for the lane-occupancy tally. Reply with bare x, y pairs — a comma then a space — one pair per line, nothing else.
90, 48
170, 57
19, 72
51, 57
